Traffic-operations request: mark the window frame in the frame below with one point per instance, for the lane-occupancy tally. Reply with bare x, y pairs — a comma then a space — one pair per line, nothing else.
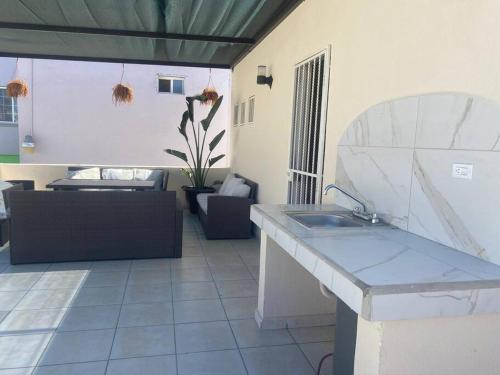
251, 109
171, 78
243, 113
14, 109
236, 114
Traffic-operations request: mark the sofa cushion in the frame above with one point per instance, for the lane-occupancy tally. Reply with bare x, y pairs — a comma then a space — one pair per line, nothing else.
142, 174
3, 211
85, 174
117, 174
202, 199
231, 185
240, 190
223, 187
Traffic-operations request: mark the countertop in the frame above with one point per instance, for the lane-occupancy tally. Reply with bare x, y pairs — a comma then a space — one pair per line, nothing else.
384, 273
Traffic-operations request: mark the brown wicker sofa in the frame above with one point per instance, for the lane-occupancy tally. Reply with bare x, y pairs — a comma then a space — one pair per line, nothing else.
228, 217
59, 226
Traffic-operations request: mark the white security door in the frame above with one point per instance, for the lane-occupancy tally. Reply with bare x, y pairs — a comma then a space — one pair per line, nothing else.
307, 142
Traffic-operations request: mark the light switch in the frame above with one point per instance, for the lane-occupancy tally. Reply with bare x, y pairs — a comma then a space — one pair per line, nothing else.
462, 171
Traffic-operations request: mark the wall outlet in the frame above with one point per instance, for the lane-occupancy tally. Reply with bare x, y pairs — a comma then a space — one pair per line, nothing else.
462, 171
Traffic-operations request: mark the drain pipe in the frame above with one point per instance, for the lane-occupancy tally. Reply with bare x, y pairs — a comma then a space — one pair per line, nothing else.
325, 291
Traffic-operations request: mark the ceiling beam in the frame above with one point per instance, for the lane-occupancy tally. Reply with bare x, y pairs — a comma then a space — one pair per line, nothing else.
114, 60
124, 33
286, 8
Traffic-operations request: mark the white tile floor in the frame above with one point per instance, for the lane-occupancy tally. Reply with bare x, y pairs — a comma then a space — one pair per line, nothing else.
188, 316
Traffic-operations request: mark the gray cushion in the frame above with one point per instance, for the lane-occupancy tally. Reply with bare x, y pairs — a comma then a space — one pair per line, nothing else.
156, 175
3, 211
141, 174
239, 190
231, 185
223, 187
85, 174
117, 174
202, 199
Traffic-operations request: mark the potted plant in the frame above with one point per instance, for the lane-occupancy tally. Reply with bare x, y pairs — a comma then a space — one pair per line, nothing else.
200, 160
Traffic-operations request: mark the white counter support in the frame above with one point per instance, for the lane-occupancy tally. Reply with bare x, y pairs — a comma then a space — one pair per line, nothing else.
460, 346
289, 296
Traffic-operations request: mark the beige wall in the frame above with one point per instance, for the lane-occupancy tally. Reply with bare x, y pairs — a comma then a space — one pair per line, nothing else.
442, 346
380, 50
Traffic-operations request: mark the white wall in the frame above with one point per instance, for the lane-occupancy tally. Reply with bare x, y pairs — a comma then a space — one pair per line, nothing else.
75, 121
9, 143
381, 50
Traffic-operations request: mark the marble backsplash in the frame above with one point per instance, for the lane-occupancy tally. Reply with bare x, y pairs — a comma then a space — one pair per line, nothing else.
398, 157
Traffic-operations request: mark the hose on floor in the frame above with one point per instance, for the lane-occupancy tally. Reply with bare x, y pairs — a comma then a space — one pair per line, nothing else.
321, 362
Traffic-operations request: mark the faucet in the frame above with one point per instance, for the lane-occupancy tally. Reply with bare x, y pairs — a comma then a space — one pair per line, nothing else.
358, 212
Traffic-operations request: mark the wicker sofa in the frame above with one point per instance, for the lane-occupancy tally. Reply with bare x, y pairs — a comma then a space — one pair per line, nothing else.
160, 176
5, 222
57, 226
227, 217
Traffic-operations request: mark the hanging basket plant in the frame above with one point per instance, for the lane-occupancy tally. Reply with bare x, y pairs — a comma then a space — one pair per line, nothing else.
17, 88
122, 93
209, 95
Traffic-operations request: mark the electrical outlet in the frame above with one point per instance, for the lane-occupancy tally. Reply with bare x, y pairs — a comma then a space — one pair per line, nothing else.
462, 171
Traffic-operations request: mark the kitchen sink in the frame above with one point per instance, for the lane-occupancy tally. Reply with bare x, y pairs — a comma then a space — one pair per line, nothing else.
325, 220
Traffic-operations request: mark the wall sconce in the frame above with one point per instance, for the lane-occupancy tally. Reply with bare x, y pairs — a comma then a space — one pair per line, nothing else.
262, 78
28, 144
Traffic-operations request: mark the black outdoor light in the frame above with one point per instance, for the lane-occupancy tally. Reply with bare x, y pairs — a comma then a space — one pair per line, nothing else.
262, 78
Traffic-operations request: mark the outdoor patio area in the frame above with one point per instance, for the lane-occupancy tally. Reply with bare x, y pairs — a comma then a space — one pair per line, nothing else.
193, 315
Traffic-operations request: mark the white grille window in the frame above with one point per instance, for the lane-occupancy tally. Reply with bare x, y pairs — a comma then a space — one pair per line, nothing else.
171, 85
308, 130
8, 107
251, 109
235, 115
243, 113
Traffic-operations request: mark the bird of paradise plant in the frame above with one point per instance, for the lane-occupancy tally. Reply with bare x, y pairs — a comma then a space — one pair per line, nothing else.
198, 165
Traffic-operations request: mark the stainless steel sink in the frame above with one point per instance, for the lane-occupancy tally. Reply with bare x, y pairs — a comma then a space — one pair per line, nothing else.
326, 220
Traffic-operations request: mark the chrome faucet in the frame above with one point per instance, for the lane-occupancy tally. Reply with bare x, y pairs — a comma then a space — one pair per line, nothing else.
358, 212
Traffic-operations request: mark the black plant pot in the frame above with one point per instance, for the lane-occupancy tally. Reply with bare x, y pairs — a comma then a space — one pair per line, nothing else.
191, 193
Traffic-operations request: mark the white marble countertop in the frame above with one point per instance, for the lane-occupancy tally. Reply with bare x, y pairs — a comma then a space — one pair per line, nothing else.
384, 273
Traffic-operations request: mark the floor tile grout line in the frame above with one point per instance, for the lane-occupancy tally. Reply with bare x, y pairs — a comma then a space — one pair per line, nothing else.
59, 323
117, 323
173, 319
234, 337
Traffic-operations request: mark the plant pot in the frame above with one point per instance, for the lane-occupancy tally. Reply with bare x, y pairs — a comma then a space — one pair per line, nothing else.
192, 192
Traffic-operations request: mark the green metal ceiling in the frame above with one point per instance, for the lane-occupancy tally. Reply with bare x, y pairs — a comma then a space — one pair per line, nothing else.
215, 33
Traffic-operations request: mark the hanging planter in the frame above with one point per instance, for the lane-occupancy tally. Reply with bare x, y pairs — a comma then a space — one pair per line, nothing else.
210, 94
17, 87
122, 93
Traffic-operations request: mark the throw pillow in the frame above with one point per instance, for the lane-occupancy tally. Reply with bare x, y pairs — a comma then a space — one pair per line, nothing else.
85, 174
240, 190
117, 174
231, 184
224, 184
3, 185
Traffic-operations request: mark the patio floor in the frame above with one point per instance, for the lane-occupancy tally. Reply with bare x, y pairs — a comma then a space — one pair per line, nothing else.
184, 316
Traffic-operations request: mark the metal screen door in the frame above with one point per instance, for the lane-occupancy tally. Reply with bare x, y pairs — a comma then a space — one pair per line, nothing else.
307, 144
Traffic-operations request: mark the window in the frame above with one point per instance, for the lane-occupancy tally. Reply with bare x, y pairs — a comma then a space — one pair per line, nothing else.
235, 115
171, 85
251, 108
242, 112
8, 107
